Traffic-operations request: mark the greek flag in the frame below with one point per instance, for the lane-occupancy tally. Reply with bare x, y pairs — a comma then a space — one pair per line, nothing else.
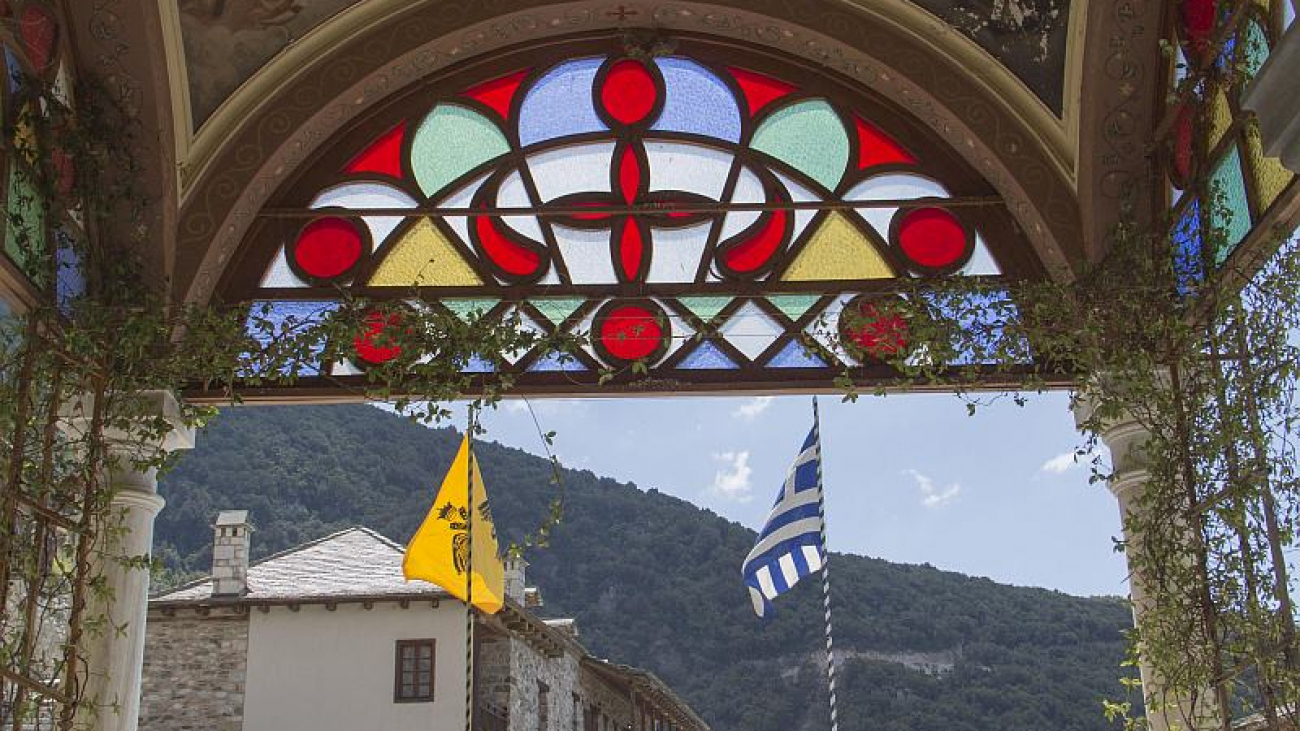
792, 544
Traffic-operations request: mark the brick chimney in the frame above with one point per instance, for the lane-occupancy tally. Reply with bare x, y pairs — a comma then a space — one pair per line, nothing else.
515, 567
230, 554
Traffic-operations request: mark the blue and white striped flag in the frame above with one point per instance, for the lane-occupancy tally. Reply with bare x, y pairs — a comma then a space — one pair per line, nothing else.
792, 544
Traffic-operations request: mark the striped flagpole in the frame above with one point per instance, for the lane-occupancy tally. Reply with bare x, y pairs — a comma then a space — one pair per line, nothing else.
826, 568
469, 574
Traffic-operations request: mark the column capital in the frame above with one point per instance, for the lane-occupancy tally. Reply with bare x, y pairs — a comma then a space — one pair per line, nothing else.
149, 502
1125, 486
1271, 97
1123, 433
77, 414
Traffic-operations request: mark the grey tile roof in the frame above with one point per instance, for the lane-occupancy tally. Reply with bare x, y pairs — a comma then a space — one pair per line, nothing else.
355, 562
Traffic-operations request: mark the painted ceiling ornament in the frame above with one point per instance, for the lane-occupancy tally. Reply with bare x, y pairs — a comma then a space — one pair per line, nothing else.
684, 215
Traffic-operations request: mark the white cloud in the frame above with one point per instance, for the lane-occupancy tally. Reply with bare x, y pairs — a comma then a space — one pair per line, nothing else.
752, 408
732, 481
515, 406
932, 496
1066, 461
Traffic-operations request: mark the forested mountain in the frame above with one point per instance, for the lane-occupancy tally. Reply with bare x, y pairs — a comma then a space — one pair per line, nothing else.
654, 581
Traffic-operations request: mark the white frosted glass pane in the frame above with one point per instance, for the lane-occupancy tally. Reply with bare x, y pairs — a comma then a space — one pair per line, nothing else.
750, 330
824, 328
693, 168
361, 196
981, 261
682, 330
279, 274
583, 331
896, 186
344, 368
879, 219
676, 252
799, 194
1180, 63
586, 254
749, 189
572, 169
526, 325
462, 199
512, 194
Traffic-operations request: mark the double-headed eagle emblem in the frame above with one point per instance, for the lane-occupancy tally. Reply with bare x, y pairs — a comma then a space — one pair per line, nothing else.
457, 518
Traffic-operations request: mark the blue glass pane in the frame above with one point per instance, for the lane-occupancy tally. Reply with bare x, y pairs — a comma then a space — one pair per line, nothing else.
69, 282
1188, 270
697, 101
15, 70
552, 362
982, 317
707, 357
1230, 214
1224, 60
478, 364
560, 103
269, 321
794, 355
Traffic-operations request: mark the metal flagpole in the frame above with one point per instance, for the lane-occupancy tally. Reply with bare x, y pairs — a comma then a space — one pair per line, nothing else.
469, 571
826, 567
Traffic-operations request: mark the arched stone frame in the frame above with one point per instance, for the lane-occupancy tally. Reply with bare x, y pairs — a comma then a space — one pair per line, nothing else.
1111, 96
280, 136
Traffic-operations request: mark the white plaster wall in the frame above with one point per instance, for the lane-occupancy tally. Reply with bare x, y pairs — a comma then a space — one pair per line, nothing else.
317, 670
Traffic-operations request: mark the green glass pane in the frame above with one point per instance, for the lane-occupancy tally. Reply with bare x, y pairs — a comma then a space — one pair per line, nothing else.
705, 308
808, 136
1230, 214
450, 142
470, 310
558, 310
794, 305
25, 225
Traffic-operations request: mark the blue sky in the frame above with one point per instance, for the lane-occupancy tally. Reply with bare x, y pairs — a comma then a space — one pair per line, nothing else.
909, 478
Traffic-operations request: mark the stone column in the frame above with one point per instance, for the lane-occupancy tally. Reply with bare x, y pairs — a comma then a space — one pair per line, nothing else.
1271, 97
114, 657
1127, 439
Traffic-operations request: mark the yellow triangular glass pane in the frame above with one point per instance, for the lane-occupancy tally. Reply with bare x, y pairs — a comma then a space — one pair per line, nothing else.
423, 257
838, 250
1270, 177
1220, 116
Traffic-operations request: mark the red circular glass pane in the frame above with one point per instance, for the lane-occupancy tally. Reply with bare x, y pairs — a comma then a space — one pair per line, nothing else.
873, 329
1198, 23
628, 93
371, 345
631, 332
38, 29
328, 247
932, 238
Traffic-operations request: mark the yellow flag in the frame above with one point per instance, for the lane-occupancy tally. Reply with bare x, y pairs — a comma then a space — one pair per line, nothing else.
440, 551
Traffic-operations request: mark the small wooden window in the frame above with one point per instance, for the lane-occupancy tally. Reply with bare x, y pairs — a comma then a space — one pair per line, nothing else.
413, 680
543, 706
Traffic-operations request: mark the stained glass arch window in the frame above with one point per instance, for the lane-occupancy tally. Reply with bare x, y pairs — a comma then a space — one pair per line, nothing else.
701, 211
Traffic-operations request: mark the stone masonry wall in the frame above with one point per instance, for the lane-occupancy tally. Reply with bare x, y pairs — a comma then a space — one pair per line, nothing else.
194, 671
492, 668
614, 708
510, 672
